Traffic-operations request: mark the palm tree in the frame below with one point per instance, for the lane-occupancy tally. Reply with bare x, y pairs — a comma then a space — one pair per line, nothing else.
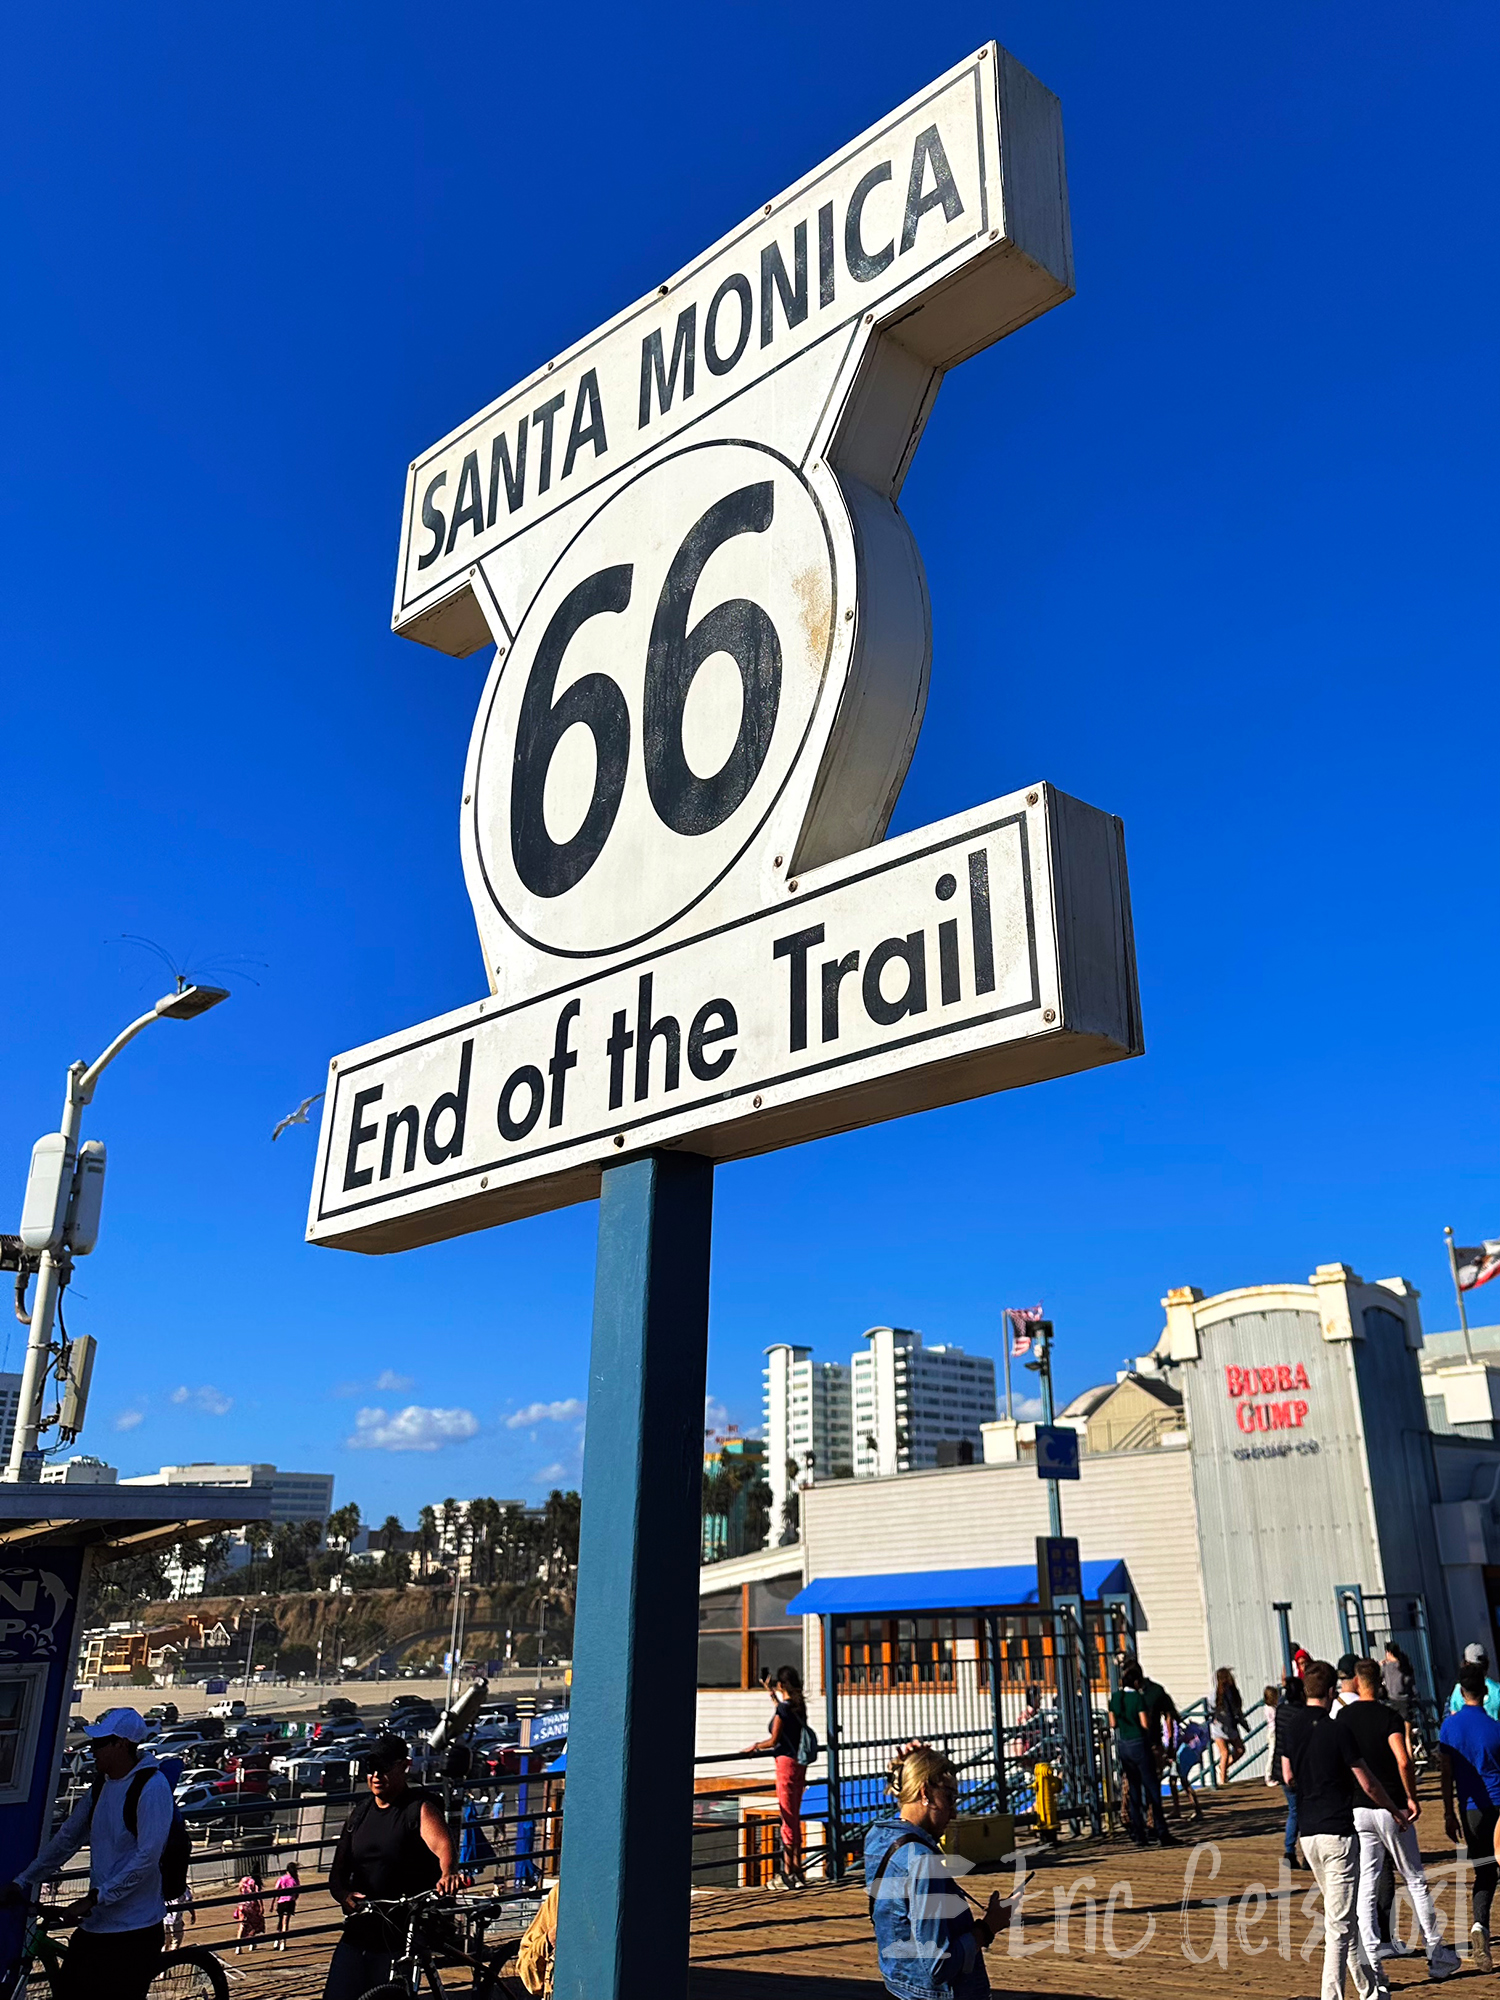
344, 1524
257, 1541
427, 1538
484, 1523
452, 1515
395, 1564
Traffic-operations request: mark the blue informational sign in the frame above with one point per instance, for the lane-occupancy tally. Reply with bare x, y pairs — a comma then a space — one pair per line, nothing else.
549, 1727
1056, 1452
38, 1648
1058, 1574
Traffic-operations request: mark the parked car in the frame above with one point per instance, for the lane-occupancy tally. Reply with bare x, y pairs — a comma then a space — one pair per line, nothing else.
400, 1701
226, 1812
321, 1767
251, 1735
185, 1743
206, 1728
201, 1794
200, 1774
162, 1713
349, 1742
336, 1729
230, 1709
338, 1704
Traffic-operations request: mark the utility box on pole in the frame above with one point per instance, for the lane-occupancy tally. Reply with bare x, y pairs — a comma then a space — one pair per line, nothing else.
80, 1372
81, 1230
48, 1186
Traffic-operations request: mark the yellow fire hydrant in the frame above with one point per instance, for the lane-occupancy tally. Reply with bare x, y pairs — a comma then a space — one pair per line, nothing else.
1046, 1798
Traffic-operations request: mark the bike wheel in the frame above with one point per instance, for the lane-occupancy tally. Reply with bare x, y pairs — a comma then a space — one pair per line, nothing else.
190, 1974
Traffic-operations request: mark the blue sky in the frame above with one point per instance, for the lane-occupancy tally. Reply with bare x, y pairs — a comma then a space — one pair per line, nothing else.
1212, 546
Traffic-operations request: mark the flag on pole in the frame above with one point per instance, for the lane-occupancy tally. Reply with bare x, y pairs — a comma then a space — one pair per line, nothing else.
1478, 1265
1020, 1318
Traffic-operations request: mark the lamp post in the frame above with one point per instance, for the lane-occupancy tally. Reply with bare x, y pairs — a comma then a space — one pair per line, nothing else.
1041, 1334
51, 1204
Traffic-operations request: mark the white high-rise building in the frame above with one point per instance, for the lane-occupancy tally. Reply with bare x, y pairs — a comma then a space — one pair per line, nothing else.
10, 1403
908, 1399
805, 1420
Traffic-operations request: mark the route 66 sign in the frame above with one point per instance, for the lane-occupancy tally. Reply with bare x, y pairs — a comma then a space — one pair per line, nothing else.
712, 644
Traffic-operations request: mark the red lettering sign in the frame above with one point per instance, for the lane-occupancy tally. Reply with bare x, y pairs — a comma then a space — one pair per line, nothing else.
1270, 1416
1265, 1381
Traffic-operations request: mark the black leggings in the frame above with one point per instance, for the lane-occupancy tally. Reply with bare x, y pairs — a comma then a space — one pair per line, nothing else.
1479, 1831
354, 1971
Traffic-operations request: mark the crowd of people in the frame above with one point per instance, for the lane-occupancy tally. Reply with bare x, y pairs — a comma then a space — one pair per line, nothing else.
1339, 1745
1342, 1750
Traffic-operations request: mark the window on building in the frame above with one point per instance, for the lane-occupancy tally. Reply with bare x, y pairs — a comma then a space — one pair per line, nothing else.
886, 1653
22, 1690
744, 1632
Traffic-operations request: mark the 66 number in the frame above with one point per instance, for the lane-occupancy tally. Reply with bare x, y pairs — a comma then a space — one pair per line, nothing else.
683, 801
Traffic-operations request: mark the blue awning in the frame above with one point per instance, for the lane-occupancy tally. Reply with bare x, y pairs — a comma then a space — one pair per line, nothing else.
1012, 1587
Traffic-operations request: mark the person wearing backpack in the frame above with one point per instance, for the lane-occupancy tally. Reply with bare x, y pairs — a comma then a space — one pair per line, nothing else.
795, 1746
930, 1943
127, 1820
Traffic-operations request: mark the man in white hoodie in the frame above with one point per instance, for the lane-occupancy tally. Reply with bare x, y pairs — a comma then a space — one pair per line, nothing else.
116, 1947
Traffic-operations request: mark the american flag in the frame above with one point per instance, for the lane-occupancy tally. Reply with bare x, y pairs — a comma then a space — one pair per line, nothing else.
1478, 1265
1020, 1318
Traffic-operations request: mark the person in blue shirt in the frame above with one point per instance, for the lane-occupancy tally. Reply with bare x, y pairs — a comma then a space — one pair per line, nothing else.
1469, 1744
929, 1940
1475, 1656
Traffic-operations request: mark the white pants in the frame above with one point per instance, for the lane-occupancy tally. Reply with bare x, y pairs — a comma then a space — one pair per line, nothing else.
1334, 1861
1379, 1835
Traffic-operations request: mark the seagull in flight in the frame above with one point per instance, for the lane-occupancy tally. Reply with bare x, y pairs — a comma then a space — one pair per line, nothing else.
297, 1117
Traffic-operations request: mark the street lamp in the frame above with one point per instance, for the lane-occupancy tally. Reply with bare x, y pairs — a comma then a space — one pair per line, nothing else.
60, 1219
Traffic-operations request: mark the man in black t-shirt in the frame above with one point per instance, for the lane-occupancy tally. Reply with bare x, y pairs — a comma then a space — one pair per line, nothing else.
394, 1843
1322, 1761
1377, 1736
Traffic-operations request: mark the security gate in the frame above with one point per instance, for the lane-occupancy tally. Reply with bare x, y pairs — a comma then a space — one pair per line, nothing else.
1001, 1690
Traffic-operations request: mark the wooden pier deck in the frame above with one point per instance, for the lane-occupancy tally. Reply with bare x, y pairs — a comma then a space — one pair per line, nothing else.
1101, 1920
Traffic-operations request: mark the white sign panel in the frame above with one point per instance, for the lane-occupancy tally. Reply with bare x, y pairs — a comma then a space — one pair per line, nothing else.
712, 644
990, 950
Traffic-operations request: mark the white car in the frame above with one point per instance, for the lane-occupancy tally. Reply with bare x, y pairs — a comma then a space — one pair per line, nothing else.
228, 1710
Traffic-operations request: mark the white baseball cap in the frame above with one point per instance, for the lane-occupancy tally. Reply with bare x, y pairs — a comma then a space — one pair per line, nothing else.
1473, 1654
122, 1722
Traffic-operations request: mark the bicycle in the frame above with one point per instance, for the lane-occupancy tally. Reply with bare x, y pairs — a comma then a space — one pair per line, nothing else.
193, 1973
414, 1967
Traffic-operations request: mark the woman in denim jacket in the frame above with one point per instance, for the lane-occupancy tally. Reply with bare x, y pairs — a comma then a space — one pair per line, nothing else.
930, 1942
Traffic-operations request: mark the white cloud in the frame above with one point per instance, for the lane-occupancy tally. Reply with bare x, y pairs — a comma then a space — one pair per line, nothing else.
211, 1401
128, 1419
386, 1383
715, 1414
1028, 1409
550, 1474
415, 1428
545, 1413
